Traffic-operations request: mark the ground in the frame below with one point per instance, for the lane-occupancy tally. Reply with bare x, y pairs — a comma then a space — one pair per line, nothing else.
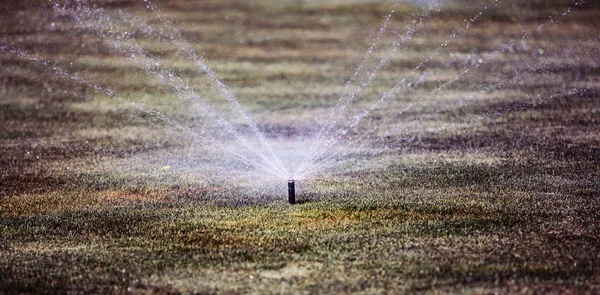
481, 173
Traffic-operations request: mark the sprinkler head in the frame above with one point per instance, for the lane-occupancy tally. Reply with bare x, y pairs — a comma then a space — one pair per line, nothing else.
291, 192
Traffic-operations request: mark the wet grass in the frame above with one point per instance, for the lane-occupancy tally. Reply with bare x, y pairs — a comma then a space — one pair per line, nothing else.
488, 184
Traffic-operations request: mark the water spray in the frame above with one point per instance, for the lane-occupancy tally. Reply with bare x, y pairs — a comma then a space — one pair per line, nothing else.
291, 192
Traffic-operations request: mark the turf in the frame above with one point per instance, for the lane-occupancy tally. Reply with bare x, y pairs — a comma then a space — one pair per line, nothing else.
487, 181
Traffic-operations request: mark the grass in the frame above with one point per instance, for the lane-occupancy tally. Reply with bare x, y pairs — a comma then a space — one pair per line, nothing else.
487, 183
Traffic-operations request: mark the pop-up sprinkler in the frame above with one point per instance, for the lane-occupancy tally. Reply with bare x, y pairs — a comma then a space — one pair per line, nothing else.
291, 192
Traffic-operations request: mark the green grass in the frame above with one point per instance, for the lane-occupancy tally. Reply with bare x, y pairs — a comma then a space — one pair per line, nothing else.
478, 187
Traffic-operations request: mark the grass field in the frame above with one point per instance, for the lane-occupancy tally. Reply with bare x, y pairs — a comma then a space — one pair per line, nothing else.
487, 180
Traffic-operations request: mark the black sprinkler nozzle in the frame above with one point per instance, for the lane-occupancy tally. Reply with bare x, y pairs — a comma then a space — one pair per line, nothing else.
291, 192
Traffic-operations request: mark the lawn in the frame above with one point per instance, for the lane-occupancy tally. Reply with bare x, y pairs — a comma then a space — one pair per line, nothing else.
460, 154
